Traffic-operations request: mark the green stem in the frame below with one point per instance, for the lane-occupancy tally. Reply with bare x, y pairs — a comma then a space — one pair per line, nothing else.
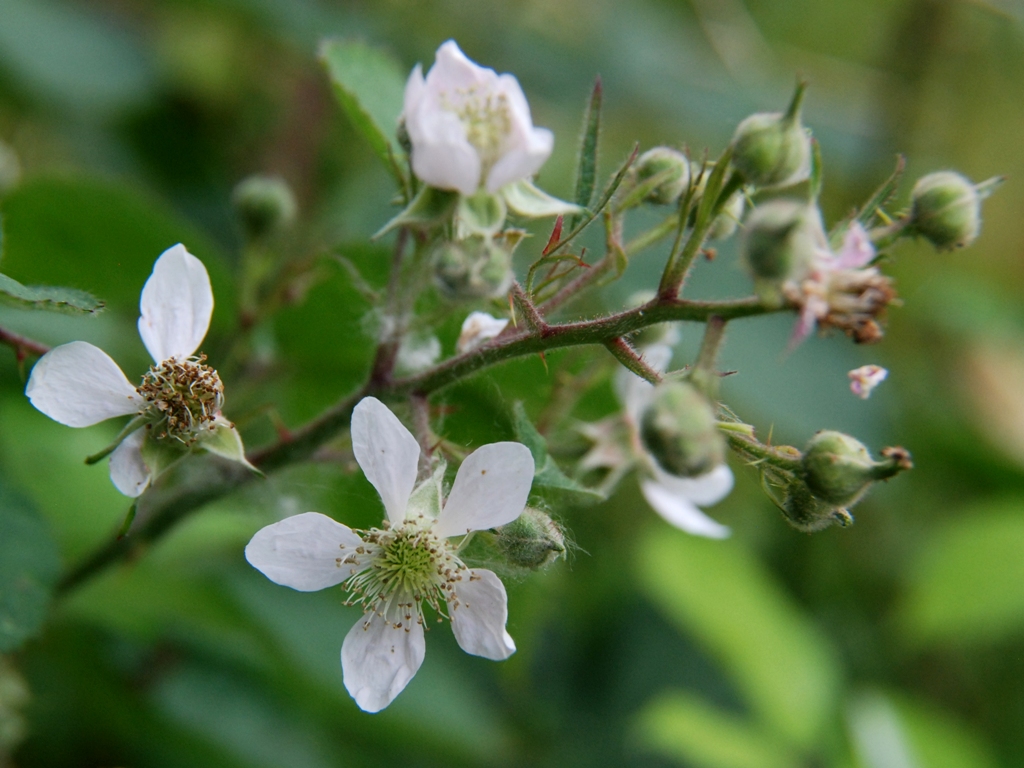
783, 457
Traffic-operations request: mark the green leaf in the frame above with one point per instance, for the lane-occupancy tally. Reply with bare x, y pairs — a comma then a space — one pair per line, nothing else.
370, 85
720, 594
55, 299
102, 237
967, 582
547, 474
682, 726
29, 564
586, 168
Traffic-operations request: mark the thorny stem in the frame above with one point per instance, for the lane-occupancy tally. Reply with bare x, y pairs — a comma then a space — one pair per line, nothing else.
782, 456
533, 318
632, 360
168, 506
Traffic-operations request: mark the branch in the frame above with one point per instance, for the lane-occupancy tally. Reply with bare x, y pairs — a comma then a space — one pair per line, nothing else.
22, 346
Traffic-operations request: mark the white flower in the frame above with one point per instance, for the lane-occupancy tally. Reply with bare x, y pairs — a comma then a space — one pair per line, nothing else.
677, 499
410, 561
863, 380
477, 328
470, 127
177, 405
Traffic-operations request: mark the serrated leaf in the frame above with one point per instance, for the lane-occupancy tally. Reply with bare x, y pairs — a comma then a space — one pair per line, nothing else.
29, 565
370, 85
586, 168
69, 300
547, 474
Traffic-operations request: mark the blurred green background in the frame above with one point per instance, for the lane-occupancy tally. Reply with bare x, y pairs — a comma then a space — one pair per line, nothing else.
897, 643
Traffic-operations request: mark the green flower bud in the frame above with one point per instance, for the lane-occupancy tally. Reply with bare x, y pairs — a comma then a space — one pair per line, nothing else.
474, 268
532, 540
265, 205
725, 224
807, 513
669, 164
772, 149
946, 210
680, 430
781, 239
837, 468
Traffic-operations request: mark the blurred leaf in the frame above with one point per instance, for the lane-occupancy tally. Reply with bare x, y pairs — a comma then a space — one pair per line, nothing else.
370, 85
28, 569
688, 728
102, 237
67, 55
47, 297
967, 581
718, 592
898, 732
547, 474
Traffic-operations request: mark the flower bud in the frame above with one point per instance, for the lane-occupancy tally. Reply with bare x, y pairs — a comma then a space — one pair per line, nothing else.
837, 468
474, 268
772, 149
669, 164
532, 540
946, 210
680, 430
725, 223
781, 240
807, 513
265, 205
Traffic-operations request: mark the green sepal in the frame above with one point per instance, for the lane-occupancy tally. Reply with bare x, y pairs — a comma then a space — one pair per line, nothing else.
161, 455
547, 474
426, 497
223, 440
883, 195
481, 214
527, 200
428, 209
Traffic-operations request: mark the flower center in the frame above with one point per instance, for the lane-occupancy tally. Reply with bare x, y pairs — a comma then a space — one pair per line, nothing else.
183, 398
408, 563
487, 119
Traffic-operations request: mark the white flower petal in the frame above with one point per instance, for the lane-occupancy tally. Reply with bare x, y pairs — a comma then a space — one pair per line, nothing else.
176, 305
490, 489
705, 490
522, 162
306, 552
680, 511
414, 91
128, 471
380, 655
479, 614
442, 156
454, 71
387, 453
477, 328
79, 385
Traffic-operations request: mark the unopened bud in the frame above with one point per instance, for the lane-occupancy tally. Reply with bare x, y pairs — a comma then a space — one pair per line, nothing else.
532, 540
946, 210
725, 224
782, 238
680, 430
669, 165
806, 512
837, 468
772, 149
265, 205
474, 268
